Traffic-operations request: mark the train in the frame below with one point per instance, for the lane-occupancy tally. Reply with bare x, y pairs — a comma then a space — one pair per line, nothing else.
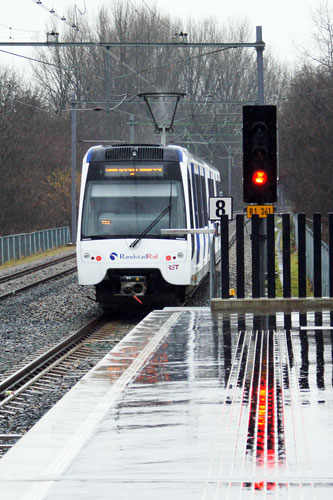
128, 194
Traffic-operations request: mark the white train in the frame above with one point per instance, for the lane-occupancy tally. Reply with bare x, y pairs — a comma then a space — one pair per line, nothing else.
128, 193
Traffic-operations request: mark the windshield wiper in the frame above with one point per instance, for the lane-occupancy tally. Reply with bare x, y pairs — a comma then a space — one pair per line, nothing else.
146, 231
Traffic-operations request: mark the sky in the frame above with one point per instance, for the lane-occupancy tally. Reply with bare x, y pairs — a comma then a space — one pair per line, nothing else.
287, 24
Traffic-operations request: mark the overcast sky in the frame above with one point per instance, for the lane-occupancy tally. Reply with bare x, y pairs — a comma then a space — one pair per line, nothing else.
287, 24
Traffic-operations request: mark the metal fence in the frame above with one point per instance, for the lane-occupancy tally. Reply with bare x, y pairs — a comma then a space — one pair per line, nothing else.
16, 246
309, 256
315, 258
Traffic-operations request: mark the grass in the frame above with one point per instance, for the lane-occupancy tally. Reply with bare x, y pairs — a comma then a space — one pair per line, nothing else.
37, 256
293, 275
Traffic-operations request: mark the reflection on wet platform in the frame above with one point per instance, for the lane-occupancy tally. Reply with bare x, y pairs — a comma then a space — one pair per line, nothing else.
223, 406
228, 405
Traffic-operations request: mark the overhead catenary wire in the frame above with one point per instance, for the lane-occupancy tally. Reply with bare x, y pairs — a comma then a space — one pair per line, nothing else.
139, 73
133, 72
47, 63
62, 18
19, 29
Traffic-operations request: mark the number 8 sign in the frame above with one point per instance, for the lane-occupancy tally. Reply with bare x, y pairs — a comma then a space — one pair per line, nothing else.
219, 207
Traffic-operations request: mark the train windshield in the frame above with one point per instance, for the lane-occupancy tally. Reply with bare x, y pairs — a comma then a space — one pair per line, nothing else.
126, 207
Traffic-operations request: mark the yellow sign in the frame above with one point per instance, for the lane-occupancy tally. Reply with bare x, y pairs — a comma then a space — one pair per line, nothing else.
261, 210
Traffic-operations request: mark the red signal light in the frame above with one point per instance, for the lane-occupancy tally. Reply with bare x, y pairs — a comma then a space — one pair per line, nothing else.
259, 177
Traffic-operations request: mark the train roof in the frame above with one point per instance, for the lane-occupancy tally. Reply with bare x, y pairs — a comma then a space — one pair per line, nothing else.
155, 152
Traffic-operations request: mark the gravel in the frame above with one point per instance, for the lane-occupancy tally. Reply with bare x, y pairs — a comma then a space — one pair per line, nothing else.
33, 321
37, 319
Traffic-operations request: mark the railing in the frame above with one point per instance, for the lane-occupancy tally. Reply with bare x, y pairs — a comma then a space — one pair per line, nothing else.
16, 246
322, 247
315, 258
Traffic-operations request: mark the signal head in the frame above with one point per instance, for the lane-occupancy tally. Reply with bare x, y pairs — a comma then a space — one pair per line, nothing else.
259, 154
259, 178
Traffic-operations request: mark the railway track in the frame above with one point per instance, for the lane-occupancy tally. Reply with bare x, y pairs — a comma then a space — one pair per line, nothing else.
17, 288
51, 374
48, 377
39, 267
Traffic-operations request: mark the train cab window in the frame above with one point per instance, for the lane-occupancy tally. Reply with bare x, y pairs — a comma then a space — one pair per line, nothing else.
125, 208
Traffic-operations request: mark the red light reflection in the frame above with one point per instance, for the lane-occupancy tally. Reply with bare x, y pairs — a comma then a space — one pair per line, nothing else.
156, 370
265, 422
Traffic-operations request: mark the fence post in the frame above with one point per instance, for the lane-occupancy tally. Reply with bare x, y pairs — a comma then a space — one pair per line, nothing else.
8, 250
14, 247
286, 255
1, 250
255, 257
212, 268
301, 244
225, 257
240, 256
330, 249
271, 256
317, 255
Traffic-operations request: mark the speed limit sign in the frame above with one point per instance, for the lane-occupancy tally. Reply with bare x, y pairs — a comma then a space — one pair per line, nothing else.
219, 207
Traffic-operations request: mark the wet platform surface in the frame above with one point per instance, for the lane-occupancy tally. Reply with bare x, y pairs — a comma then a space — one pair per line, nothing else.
191, 405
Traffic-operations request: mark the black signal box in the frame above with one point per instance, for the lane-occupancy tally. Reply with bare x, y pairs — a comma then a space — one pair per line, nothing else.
259, 154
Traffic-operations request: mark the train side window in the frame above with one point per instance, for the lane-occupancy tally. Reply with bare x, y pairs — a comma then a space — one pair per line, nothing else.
204, 200
190, 201
199, 200
211, 190
195, 197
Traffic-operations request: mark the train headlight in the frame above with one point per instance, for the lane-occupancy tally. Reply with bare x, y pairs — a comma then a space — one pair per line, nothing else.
180, 255
86, 255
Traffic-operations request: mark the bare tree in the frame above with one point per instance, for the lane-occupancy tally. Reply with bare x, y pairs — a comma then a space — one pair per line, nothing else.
208, 121
322, 52
306, 125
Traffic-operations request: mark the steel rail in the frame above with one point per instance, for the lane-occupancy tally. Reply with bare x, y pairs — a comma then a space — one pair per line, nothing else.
39, 267
59, 275
49, 355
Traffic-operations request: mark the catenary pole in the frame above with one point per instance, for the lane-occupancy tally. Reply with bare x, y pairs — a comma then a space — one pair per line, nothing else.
262, 221
260, 65
73, 123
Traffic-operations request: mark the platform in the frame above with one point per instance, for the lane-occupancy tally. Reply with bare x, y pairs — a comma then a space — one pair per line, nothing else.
191, 404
